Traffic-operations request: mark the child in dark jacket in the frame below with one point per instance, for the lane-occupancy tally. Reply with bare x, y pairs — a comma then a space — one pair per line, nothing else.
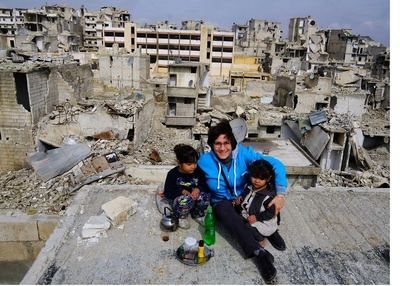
185, 187
257, 196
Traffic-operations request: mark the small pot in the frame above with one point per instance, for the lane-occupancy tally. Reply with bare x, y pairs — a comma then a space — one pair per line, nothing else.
168, 222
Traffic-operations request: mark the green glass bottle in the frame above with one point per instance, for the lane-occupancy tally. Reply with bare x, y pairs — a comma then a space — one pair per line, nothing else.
209, 227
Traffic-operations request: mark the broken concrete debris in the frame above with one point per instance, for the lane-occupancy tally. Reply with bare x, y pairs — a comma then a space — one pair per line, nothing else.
118, 209
57, 161
96, 226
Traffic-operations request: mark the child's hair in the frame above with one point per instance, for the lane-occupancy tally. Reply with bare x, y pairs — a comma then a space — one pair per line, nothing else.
222, 128
186, 153
261, 169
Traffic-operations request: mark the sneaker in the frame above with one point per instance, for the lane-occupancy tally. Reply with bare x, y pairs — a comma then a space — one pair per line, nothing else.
266, 266
184, 223
277, 241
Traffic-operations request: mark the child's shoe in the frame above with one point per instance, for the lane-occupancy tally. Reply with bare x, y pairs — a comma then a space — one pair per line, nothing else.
277, 241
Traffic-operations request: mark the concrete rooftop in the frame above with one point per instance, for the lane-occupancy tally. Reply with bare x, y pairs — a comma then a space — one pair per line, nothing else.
335, 236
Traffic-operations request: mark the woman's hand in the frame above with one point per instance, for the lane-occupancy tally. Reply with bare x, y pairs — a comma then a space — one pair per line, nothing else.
279, 202
237, 201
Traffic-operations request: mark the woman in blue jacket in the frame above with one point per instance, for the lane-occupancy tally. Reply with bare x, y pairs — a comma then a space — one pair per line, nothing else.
225, 168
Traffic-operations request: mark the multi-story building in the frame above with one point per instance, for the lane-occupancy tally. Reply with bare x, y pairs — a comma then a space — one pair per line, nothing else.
300, 29
10, 20
304, 36
345, 47
165, 45
91, 40
187, 92
258, 37
103, 28
49, 29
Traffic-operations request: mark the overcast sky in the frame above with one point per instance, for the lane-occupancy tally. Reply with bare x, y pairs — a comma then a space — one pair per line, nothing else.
365, 17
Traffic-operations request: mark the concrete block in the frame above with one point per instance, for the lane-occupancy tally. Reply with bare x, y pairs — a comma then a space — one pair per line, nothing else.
119, 209
95, 226
20, 251
18, 229
46, 227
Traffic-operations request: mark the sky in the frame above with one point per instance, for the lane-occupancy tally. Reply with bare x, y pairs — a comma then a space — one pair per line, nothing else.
365, 17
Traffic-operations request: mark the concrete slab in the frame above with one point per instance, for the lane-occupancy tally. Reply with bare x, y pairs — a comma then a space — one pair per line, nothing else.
334, 236
21, 228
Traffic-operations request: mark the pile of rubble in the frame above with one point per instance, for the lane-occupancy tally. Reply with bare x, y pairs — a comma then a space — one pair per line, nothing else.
22, 190
25, 62
370, 179
161, 143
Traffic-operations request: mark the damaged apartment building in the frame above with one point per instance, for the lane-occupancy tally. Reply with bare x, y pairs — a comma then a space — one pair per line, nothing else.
44, 104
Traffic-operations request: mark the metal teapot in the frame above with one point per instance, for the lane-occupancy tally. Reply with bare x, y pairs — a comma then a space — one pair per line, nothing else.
169, 222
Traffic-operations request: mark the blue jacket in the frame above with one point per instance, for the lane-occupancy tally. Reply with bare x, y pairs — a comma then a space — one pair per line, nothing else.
242, 157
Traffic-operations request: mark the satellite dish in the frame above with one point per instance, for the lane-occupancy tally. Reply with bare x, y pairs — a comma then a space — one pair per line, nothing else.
239, 128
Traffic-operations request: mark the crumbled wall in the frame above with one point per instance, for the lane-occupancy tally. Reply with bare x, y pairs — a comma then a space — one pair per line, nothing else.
37, 88
283, 86
77, 77
350, 103
15, 126
124, 71
143, 123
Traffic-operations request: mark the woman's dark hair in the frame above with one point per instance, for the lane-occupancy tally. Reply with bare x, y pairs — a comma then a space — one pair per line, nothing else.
186, 153
261, 169
222, 128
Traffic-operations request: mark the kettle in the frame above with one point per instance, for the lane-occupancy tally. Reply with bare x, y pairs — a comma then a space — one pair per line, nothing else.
169, 222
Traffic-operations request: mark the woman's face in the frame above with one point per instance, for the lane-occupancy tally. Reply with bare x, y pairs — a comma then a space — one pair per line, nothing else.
222, 147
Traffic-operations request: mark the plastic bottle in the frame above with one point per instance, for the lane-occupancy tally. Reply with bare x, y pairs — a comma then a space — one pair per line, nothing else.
209, 225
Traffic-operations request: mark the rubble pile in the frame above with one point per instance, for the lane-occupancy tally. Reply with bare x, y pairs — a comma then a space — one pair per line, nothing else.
355, 91
26, 63
163, 142
22, 190
333, 178
124, 107
335, 120
119, 146
376, 122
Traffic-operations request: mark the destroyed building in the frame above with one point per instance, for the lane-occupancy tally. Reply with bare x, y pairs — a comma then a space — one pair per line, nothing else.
187, 92
50, 29
29, 93
123, 70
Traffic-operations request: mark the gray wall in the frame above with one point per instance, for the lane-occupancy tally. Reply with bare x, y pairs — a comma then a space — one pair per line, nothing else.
143, 122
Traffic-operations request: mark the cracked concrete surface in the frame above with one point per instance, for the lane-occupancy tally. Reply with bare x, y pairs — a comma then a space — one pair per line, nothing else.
333, 236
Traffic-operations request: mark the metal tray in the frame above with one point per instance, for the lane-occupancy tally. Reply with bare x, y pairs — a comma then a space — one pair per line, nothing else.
191, 258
